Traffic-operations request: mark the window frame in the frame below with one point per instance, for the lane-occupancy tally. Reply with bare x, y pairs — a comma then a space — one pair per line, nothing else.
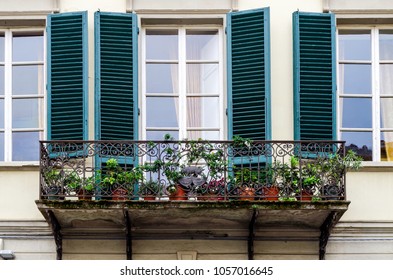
375, 95
8, 96
183, 62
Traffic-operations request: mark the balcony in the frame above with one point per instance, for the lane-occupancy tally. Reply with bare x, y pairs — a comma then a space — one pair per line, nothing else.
183, 189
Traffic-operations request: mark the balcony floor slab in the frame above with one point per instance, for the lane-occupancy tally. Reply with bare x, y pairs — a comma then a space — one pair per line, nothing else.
191, 219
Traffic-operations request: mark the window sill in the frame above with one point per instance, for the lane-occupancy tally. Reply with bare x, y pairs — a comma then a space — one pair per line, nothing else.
381, 166
20, 166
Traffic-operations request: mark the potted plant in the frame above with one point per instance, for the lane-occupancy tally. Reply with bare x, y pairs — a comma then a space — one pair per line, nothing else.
213, 190
119, 182
246, 181
86, 192
54, 183
310, 180
268, 186
150, 190
333, 171
72, 183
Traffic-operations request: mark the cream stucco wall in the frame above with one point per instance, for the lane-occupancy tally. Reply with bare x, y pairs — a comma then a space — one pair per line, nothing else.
371, 195
18, 192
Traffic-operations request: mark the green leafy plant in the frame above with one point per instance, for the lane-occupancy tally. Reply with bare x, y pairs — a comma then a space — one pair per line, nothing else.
117, 177
150, 188
72, 181
53, 177
337, 164
54, 182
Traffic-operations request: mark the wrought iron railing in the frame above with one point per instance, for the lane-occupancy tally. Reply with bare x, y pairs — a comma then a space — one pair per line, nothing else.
192, 170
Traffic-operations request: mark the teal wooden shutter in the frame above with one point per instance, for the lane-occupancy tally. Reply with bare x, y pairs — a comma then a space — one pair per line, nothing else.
67, 76
314, 76
248, 48
116, 84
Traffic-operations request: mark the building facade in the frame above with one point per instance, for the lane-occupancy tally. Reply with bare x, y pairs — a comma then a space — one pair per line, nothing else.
133, 70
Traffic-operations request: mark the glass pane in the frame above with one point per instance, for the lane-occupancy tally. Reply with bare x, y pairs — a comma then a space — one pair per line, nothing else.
1, 80
162, 44
203, 112
204, 135
359, 142
1, 146
386, 44
34, 51
1, 47
156, 135
386, 112
355, 79
162, 78
387, 146
202, 44
25, 113
162, 112
25, 146
202, 78
354, 44
386, 78
1, 113
27, 79
356, 113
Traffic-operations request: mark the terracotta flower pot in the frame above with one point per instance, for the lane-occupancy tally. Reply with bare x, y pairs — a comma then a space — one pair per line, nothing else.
306, 196
119, 194
271, 193
247, 193
84, 194
180, 194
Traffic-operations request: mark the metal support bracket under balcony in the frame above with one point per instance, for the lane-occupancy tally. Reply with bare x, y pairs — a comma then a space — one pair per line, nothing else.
326, 230
128, 235
251, 235
55, 225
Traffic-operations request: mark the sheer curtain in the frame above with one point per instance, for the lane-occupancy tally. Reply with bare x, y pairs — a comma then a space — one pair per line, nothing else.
194, 106
386, 80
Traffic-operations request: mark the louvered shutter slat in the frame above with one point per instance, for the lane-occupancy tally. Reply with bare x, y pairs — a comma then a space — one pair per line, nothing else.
67, 76
248, 74
314, 76
116, 69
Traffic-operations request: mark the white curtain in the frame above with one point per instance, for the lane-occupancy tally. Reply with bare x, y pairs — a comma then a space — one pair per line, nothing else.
194, 105
386, 81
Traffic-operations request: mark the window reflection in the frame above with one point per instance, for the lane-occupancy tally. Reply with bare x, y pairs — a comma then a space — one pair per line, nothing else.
356, 78
161, 44
386, 44
356, 112
159, 135
163, 112
1, 113
359, 142
202, 44
162, 78
34, 51
1, 146
25, 113
25, 146
27, 80
354, 44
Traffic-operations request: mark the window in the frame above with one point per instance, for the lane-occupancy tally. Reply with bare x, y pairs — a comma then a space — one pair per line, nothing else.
182, 83
366, 91
21, 94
